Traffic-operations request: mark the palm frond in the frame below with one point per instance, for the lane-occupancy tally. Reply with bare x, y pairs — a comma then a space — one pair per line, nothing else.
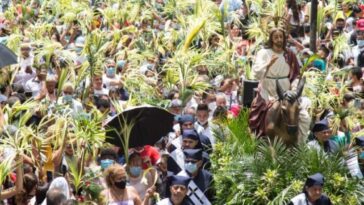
5, 168
193, 31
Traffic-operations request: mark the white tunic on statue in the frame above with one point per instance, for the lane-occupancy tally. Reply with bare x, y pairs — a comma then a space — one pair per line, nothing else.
280, 69
268, 90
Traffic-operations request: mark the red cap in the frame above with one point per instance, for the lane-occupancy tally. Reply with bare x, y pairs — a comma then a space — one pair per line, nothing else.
362, 7
360, 24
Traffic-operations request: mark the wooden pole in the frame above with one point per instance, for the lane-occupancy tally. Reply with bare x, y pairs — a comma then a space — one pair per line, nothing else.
313, 28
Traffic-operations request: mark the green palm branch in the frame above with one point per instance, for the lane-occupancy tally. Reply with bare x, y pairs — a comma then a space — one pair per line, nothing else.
340, 44
5, 168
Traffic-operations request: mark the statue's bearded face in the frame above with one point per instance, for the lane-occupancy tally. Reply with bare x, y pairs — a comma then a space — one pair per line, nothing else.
278, 39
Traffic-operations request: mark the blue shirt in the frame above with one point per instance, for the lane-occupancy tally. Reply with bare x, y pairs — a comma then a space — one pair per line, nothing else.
320, 64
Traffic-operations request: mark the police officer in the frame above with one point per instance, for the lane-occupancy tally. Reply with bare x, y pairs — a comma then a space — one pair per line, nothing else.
190, 140
200, 188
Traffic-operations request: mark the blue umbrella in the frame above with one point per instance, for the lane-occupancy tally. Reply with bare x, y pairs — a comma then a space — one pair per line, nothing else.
7, 57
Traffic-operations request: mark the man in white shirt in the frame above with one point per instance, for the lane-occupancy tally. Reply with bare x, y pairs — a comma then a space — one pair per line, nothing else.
357, 52
34, 85
26, 71
98, 86
68, 99
111, 79
202, 125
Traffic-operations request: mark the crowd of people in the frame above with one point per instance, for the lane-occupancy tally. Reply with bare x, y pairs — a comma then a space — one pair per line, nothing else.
177, 169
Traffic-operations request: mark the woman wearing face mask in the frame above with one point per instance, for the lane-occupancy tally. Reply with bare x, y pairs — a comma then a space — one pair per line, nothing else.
117, 192
136, 175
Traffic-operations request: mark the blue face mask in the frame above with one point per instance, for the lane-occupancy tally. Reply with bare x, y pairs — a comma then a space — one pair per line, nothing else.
105, 163
120, 64
191, 167
360, 43
243, 59
67, 98
78, 49
361, 155
135, 171
110, 71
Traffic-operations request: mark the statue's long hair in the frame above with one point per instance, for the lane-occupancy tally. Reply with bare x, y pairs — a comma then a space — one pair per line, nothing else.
270, 40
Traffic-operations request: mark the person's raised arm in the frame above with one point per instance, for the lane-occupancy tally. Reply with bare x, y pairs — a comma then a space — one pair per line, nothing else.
11, 192
58, 154
148, 196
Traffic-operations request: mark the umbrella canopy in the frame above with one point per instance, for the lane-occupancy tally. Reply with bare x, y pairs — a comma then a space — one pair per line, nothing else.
150, 124
7, 57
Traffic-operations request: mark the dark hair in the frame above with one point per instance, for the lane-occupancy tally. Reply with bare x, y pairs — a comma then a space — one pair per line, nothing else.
348, 97
108, 152
220, 112
134, 155
41, 193
202, 107
307, 28
103, 103
18, 88
293, 6
28, 169
55, 32
3, 89
325, 50
270, 40
171, 94
30, 181
55, 197
357, 72
356, 9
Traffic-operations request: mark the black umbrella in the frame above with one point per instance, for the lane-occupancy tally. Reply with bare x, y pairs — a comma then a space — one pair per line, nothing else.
150, 124
7, 57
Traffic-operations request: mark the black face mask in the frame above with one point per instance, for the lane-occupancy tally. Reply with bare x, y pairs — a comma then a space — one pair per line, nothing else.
340, 28
120, 184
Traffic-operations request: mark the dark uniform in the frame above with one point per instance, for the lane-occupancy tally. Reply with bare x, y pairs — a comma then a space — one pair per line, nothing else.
302, 199
176, 158
329, 146
360, 143
176, 180
201, 190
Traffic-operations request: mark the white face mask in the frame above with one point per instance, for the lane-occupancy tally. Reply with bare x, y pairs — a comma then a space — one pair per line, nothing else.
212, 106
360, 43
